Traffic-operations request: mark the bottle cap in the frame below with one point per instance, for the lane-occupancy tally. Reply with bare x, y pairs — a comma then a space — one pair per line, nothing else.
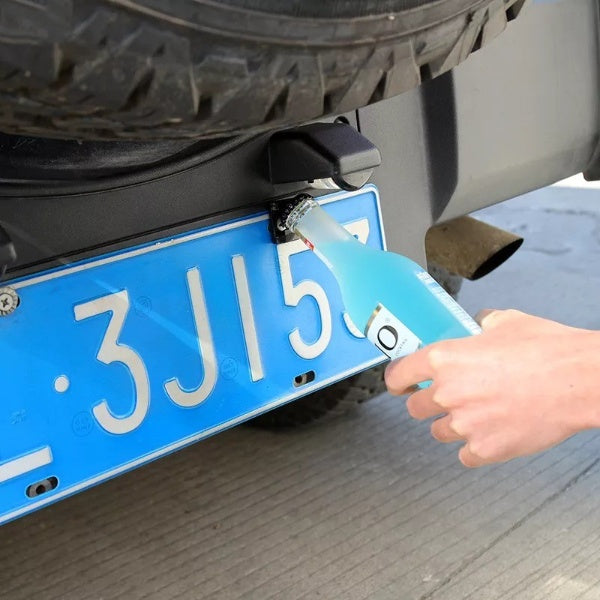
303, 205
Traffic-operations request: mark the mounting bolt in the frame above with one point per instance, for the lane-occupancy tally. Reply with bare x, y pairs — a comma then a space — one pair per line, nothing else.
9, 300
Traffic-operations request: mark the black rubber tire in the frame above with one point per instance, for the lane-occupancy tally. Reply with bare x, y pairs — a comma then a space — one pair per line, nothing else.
157, 69
347, 394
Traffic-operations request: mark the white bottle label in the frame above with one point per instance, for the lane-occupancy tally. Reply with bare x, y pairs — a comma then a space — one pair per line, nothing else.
448, 301
390, 335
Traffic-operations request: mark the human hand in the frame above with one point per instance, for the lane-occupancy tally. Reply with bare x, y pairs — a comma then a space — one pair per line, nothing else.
521, 386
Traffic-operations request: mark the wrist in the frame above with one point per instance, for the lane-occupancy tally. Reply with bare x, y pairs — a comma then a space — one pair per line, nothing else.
585, 384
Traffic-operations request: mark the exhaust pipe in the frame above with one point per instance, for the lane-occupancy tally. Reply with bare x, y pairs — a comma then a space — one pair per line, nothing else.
469, 247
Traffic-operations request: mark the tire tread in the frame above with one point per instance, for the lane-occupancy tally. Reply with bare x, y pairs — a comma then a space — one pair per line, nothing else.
90, 69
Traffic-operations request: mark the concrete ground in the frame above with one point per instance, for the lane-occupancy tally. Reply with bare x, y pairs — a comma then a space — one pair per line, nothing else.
365, 505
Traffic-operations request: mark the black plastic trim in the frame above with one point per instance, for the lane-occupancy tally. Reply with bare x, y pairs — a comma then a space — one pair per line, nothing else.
52, 231
441, 136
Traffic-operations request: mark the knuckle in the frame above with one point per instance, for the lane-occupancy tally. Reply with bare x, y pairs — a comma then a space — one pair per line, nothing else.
441, 397
458, 427
491, 319
466, 459
474, 447
495, 318
512, 314
481, 449
436, 357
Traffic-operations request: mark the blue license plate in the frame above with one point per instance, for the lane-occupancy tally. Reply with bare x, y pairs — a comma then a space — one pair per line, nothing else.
112, 362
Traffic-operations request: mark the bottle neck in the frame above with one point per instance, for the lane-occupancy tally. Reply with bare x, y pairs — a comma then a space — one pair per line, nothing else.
316, 228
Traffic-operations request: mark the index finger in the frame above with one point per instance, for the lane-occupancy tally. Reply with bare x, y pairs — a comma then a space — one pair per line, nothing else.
404, 373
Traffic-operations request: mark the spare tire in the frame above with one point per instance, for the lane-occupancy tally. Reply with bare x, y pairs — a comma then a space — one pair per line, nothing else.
152, 69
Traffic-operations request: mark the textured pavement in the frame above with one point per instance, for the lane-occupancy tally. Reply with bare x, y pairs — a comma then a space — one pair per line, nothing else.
364, 505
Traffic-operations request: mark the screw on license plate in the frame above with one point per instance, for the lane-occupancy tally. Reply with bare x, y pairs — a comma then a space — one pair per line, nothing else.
9, 300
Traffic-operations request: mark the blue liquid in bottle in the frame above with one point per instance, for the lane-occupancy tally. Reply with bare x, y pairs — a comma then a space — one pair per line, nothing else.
368, 277
373, 280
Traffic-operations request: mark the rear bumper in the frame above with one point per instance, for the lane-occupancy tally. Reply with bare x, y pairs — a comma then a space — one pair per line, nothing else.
518, 115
